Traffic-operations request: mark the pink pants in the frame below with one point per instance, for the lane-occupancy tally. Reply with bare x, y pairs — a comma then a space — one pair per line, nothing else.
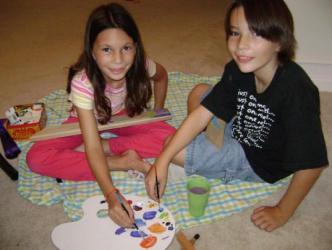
58, 158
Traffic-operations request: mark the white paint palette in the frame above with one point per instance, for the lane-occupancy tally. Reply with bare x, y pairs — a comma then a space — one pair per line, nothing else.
97, 231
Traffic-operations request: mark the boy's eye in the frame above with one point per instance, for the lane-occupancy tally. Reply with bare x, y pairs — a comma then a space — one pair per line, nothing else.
254, 34
234, 33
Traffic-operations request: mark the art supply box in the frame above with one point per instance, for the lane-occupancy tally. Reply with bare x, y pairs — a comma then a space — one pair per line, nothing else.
25, 120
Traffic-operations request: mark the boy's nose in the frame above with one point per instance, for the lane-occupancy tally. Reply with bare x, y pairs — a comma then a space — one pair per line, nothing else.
243, 42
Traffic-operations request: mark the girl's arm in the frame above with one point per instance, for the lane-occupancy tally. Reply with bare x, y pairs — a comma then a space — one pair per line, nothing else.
270, 218
160, 86
189, 129
98, 163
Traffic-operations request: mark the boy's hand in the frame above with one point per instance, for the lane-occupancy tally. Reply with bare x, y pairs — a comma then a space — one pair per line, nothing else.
118, 214
150, 182
269, 218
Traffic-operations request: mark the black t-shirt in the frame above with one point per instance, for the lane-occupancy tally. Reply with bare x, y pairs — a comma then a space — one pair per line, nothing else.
279, 129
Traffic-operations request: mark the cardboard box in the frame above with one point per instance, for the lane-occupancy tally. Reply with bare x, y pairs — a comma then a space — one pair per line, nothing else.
26, 130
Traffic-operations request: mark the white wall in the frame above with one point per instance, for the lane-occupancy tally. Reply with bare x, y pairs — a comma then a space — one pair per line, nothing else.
313, 31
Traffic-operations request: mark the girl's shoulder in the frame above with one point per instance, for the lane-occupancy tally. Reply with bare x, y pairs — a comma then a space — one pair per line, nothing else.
151, 67
81, 79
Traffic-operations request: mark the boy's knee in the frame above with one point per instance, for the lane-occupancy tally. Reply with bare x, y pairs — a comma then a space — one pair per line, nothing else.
196, 94
167, 140
198, 91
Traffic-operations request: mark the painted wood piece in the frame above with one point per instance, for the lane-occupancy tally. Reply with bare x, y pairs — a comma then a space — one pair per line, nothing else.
93, 232
69, 129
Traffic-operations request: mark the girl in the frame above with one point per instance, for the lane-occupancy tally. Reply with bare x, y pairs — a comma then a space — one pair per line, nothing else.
271, 108
111, 77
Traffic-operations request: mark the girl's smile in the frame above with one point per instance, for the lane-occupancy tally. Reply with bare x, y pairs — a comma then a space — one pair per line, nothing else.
114, 52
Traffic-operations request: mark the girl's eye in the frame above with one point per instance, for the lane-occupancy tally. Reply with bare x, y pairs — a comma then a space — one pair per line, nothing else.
107, 50
127, 48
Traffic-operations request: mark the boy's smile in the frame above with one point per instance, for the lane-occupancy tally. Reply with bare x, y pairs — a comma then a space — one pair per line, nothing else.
251, 52
114, 52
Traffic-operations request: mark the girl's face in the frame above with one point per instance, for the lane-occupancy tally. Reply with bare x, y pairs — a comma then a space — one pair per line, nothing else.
114, 52
252, 53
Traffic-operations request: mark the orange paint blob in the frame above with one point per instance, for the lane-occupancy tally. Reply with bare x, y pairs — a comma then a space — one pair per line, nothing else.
148, 241
157, 228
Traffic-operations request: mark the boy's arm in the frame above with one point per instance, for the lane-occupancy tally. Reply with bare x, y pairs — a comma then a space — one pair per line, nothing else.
189, 129
270, 218
160, 86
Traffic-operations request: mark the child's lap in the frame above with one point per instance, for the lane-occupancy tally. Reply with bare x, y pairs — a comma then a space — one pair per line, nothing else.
228, 163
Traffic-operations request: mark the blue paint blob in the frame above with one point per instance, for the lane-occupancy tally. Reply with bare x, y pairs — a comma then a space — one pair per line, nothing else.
161, 209
138, 234
120, 230
149, 215
140, 222
170, 228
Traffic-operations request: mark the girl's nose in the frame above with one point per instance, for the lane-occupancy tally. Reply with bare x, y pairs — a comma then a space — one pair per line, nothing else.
118, 57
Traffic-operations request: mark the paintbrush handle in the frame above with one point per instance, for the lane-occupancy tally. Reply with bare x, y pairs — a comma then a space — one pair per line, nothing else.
120, 200
157, 185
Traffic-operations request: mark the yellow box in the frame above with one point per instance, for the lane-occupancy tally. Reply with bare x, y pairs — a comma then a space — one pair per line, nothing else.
24, 131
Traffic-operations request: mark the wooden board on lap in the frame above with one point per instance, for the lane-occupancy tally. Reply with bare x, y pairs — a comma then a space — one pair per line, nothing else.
117, 122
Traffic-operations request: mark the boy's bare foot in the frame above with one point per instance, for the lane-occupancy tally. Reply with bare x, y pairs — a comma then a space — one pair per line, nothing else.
268, 218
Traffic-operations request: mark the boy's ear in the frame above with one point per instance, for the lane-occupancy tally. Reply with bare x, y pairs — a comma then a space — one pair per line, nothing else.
278, 48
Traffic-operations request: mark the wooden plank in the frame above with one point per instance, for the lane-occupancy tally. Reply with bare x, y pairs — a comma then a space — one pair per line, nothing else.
116, 122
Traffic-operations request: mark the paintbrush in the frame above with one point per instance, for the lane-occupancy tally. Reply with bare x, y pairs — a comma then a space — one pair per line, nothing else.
120, 200
157, 189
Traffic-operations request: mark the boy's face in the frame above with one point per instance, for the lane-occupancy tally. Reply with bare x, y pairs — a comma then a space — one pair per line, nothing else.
114, 52
251, 52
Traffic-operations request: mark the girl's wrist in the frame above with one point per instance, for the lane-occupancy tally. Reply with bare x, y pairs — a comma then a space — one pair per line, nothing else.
110, 193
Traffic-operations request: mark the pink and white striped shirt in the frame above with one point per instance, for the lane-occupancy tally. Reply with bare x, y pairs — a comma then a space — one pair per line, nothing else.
82, 93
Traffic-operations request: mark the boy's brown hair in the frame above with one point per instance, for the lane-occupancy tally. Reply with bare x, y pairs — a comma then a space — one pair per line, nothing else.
270, 19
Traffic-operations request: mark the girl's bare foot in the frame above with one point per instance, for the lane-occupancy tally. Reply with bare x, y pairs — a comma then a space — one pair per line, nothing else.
128, 160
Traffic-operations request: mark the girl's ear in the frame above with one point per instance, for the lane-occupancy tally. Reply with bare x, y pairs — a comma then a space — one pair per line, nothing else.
93, 56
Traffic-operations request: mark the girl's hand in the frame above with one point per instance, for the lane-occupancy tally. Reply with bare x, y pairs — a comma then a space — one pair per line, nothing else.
151, 182
117, 213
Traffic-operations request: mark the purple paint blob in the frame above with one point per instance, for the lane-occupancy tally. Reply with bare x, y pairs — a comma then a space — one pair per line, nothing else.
149, 215
137, 208
120, 230
198, 190
138, 234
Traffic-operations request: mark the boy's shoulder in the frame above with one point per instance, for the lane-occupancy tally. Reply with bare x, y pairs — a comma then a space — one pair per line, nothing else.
296, 77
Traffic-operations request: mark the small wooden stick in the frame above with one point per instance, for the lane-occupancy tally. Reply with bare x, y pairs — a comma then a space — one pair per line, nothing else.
184, 242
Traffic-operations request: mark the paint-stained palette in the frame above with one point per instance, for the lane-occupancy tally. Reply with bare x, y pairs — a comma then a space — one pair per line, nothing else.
96, 231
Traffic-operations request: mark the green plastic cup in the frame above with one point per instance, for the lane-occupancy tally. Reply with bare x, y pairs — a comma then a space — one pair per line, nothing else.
198, 195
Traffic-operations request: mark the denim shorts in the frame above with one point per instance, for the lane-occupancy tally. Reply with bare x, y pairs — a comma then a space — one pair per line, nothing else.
227, 163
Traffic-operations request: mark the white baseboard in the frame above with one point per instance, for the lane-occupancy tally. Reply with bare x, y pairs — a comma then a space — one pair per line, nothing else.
320, 74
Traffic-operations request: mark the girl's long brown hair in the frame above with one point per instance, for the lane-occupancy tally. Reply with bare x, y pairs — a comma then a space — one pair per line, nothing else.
138, 84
